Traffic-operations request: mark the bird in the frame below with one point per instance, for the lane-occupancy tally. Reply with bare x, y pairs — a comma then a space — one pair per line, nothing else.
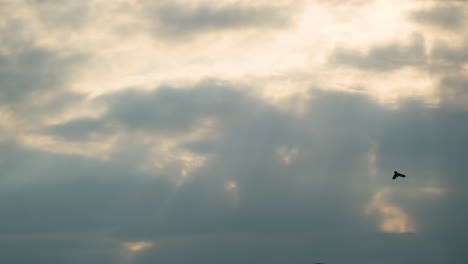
396, 174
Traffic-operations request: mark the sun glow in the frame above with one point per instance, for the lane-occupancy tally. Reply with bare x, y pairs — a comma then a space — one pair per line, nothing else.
392, 219
135, 247
232, 192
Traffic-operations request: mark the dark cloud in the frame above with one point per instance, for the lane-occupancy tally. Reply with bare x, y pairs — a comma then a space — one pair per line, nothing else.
30, 69
311, 210
445, 17
454, 90
50, 193
431, 149
383, 58
23, 28
80, 129
172, 110
448, 59
177, 20
291, 248
59, 208
66, 248
33, 71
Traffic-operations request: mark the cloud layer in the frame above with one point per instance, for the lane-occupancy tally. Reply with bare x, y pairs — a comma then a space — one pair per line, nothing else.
205, 132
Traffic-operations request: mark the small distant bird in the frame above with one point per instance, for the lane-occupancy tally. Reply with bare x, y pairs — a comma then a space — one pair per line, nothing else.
396, 174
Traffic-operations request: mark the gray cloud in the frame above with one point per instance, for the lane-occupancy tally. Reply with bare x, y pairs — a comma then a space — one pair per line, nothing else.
295, 248
447, 58
433, 145
55, 14
33, 248
176, 20
80, 129
308, 211
35, 74
383, 58
446, 17
33, 71
24, 23
454, 90
59, 208
14, 29
169, 110
49, 193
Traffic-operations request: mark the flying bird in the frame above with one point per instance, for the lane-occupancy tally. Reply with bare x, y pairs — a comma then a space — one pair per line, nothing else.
396, 174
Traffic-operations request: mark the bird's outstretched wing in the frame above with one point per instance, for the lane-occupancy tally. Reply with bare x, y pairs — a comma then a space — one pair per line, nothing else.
396, 174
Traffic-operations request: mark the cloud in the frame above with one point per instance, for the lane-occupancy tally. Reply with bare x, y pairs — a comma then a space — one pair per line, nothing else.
69, 194
213, 171
33, 71
51, 248
383, 58
14, 27
36, 75
296, 248
454, 91
171, 109
446, 17
80, 129
181, 20
315, 201
448, 58
58, 14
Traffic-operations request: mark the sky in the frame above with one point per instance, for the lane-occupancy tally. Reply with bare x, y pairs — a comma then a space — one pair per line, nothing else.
233, 131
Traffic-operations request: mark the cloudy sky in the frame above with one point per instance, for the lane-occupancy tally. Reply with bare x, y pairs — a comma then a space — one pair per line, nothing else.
234, 131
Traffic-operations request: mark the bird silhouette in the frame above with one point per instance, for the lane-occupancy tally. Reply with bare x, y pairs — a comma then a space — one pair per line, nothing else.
396, 174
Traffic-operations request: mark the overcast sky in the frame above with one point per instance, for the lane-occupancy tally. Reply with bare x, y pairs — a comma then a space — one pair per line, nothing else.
234, 131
